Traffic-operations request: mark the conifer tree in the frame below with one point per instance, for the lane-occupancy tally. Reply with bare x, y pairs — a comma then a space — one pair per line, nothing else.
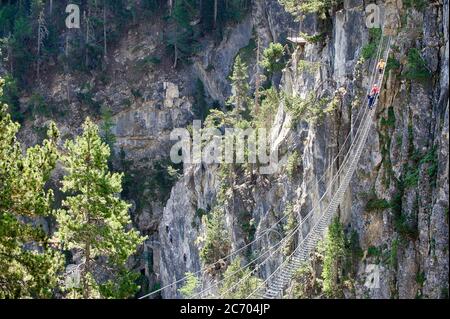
334, 258
189, 289
238, 283
272, 59
42, 34
94, 221
28, 265
217, 242
239, 82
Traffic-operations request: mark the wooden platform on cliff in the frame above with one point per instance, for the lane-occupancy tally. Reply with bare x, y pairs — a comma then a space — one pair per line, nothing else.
297, 40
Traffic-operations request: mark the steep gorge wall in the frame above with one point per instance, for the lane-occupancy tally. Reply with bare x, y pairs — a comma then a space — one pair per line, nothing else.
412, 116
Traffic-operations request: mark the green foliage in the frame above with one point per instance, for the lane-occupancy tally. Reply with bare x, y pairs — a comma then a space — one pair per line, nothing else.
373, 251
390, 120
213, 21
217, 242
147, 63
248, 225
340, 254
392, 64
291, 224
293, 164
219, 119
296, 106
370, 49
94, 220
151, 183
308, 67
416, 68
354, 253
200, 108
421, 278
419, 5
190, 286
431, 158
393, 260
273, 58
319, 7
248, 283
106, 127
380, 254
376, 204
28, 265
200, 212
183, 12
182, 42
387, 124
334, 259
309, 109
315, 38
21, 55
304, 283
152, 6
38, 105
248, 53
268, 108
402, 223
239, 82
11, 98
86, 97
411, 178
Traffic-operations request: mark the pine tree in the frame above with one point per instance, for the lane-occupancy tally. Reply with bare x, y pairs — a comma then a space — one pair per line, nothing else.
273, 58
21, 55
190, 286
217, 242
94, 220
28, 265
239, 82
238, 283
106, 127
42, 34
182, 42
334, 258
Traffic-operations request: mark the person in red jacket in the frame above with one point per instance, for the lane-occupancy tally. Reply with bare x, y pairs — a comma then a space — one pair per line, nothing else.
373, 95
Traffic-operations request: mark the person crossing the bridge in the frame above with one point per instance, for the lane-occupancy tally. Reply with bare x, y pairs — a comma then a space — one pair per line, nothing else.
380, 66
373, 95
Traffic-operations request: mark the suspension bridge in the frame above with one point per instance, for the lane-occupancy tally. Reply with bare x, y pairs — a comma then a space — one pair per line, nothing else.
314, 224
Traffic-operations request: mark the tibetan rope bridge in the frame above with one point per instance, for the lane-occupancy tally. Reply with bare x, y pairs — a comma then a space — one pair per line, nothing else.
314, 224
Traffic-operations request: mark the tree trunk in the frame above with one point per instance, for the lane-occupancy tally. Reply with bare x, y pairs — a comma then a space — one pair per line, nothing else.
39, 43
170, 7
176, 55
66, 52
215, 14
10, 58
86, 57
87, 265
87, 269
104, 33
257, 80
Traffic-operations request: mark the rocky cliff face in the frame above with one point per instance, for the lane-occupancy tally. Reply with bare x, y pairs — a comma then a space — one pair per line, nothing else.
397, 201
405, 161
